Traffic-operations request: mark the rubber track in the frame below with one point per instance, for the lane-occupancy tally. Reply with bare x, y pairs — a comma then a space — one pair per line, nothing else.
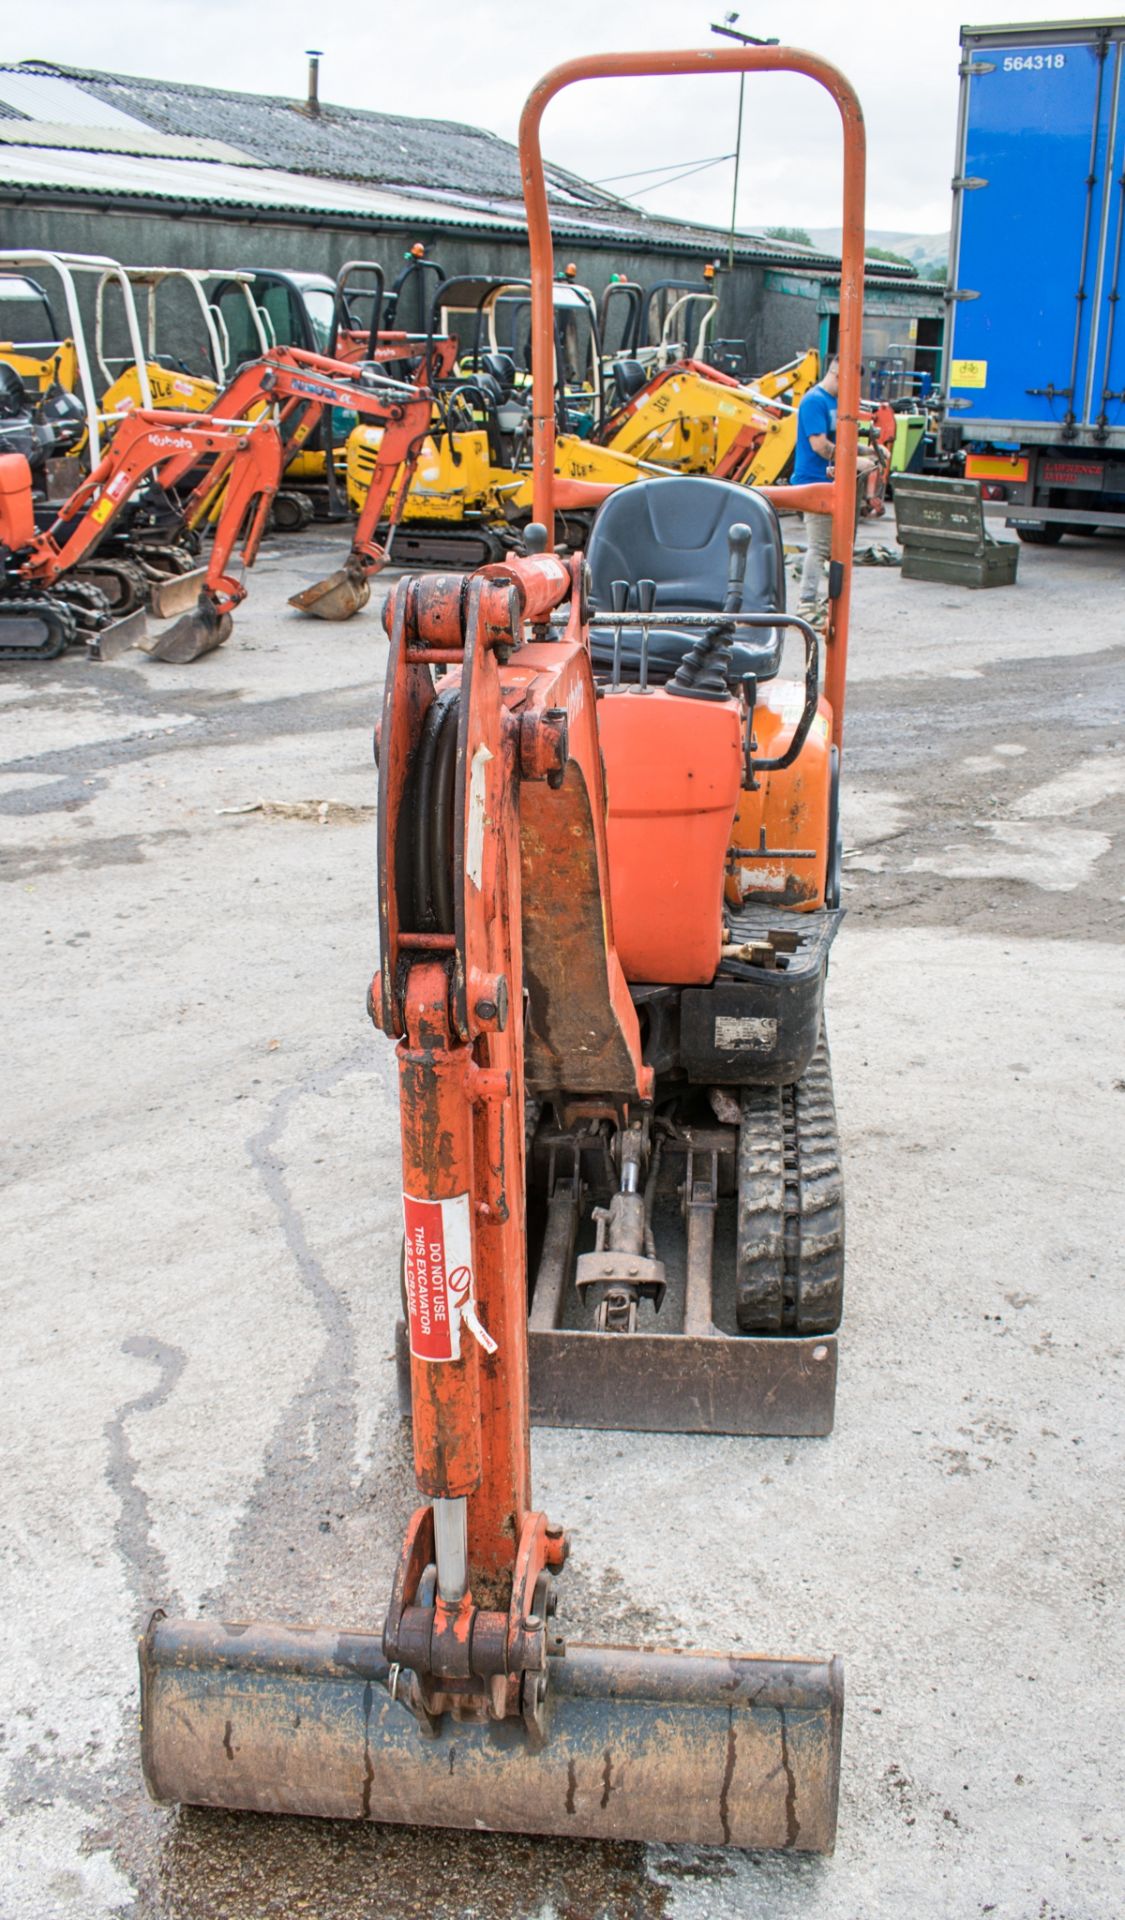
791, 1206
300, 505
86, 603
130, 575
420, 546
46, 650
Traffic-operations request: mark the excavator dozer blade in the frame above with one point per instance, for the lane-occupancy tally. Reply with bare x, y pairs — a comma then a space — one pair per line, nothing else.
693, 1748
177, 594
337, 597
191, 636
120, 637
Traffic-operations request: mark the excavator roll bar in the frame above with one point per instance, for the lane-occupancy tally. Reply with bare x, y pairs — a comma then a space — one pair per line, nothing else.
836, 497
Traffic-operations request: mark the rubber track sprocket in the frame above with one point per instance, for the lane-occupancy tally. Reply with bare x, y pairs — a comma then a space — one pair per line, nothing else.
790, 1273
57, 619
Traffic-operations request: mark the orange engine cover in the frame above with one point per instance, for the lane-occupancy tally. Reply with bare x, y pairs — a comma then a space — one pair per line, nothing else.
673, 772
17, 515
791, 807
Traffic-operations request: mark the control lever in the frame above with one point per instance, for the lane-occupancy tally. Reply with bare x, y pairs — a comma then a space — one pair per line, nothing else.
646, 602
738, 542
619, 601
704, 671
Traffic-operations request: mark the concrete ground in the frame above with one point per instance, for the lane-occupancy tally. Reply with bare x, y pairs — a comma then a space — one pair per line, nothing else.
201, 1228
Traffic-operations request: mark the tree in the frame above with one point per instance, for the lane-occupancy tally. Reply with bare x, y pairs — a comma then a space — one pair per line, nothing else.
884, 253
796, 234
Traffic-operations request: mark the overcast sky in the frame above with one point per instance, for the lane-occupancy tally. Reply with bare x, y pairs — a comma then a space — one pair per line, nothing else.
464, 60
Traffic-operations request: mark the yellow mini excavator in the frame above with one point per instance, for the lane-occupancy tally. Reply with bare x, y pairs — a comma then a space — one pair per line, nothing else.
693, 418
619, 423
472, 490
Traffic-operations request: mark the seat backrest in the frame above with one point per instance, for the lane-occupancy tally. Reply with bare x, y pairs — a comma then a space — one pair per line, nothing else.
502, 369
675, 532
629, 377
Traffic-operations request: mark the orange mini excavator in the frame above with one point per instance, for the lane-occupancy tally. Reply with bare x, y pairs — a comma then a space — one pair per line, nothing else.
584, 984
40, 567
224, 465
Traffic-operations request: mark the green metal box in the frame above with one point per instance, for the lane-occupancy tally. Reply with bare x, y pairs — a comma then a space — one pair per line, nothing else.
941, 526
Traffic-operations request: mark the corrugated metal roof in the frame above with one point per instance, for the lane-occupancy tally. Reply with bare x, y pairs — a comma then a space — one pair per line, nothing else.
134, 139
48, 96
343, 143
264, 189
212, 183
347, 161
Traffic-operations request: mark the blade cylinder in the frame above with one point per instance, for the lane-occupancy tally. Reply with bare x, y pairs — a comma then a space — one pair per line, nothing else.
713, 1749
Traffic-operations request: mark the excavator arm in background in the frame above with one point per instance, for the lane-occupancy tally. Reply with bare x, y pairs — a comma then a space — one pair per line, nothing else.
693, 418
246, 460
299, 389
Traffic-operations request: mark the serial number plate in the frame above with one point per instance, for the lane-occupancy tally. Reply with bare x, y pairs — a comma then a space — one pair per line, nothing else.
1033, 62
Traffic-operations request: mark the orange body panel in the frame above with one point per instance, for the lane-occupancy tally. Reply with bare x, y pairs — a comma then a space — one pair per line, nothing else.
790, 806
17, 514
673, 772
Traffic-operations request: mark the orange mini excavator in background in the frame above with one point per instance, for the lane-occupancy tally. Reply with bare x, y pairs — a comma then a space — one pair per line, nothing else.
195, 467
38, 565
569, 750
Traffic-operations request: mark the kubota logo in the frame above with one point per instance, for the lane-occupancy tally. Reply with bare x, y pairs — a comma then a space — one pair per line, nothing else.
171, 440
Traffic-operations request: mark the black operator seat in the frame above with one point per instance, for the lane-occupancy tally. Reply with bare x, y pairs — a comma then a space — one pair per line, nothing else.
675, 532
629, 376
500, 370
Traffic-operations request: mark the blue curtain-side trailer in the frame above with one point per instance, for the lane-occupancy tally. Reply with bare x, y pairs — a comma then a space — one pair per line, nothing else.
1034, 370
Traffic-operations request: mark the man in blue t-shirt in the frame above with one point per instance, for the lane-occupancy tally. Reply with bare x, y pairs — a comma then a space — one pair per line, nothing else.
816, 452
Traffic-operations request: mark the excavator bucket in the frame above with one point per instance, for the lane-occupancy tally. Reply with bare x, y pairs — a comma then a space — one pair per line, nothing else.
191, 636
178, 594
694, 1748
337, 597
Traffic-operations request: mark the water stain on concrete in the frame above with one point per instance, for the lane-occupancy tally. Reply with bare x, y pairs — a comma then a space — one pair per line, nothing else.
117, 850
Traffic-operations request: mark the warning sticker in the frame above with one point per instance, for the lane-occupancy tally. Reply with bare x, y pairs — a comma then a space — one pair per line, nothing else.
440, 1292
968, 373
